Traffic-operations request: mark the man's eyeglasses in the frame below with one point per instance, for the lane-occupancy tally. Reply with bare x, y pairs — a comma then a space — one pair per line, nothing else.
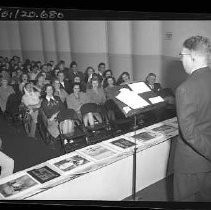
181, 54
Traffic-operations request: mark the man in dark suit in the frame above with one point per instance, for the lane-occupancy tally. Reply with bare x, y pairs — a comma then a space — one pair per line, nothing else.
192, 163
73, 72
65, 84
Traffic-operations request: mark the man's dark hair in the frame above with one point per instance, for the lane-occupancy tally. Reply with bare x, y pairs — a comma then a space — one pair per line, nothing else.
100, 64
73, 63
199, 44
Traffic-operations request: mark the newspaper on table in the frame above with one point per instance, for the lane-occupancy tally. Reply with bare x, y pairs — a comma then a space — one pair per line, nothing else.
70, 163
120, 143
98, 152
17, 185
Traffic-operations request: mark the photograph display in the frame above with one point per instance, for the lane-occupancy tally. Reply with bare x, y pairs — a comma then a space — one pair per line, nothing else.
98, 152
43, 174
16, 186
166, 129
70, 163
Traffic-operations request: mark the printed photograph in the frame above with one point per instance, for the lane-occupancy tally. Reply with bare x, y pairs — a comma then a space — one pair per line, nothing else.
16, 186
71, 163
165, 129
43, 174
98, 152
123, 143
144, 136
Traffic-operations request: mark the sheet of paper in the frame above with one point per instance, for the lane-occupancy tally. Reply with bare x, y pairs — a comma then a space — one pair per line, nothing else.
139, 87
156, 99
126, 109
132, 99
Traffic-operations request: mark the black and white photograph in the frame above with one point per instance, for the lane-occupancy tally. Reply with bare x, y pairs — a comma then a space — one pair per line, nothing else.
120, 100
70, 163
14, 187
43, 174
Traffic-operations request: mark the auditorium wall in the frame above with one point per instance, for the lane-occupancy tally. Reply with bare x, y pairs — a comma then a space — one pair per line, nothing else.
137, 47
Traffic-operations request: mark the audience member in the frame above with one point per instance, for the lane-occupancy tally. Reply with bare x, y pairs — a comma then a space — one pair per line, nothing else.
123, 79
73, 71
31, 99
65, 84
51, 105
60, 92
151, 82
76, 100
5, 91
88, 74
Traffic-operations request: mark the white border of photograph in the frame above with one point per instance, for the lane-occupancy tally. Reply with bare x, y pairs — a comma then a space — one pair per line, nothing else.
82, 151
67, 156
115, 147
21, 194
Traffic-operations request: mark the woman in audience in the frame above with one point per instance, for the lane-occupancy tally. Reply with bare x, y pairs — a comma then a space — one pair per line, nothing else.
40, 84
23, 80
96, 95
89, 83
107, 73
88, 74
51, 106
124, 79
59, 91
31, 99
5, 91
110, 87
75, 100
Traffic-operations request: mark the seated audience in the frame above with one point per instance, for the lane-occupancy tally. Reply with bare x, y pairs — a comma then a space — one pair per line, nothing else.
5, 91
76, 100
151, 82
73, 71
23, 80
65, 84
107, 73
96, 95
88, 74
59, 91
109, 87
31, 99
51, 106
101, 69
6, 164
82, 84
89, 83
123, 79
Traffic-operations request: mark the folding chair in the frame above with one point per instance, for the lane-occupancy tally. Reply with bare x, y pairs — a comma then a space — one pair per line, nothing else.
101, 130
71, 141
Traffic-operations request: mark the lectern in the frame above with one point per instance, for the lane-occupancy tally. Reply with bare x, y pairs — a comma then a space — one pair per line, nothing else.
134, 99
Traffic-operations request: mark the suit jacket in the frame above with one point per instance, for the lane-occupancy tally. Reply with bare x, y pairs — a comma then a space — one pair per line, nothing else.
67, 86
71, 75
193, 102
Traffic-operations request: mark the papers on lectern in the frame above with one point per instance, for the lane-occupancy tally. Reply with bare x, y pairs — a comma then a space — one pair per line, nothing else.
131, 99
156, 100
139, 87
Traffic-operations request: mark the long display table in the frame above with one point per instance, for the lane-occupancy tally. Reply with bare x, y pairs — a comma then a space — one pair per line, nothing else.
97, 172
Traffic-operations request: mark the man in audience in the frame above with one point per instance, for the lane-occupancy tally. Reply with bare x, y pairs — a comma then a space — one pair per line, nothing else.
192, 165
101, 69
6, 164
73, 72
